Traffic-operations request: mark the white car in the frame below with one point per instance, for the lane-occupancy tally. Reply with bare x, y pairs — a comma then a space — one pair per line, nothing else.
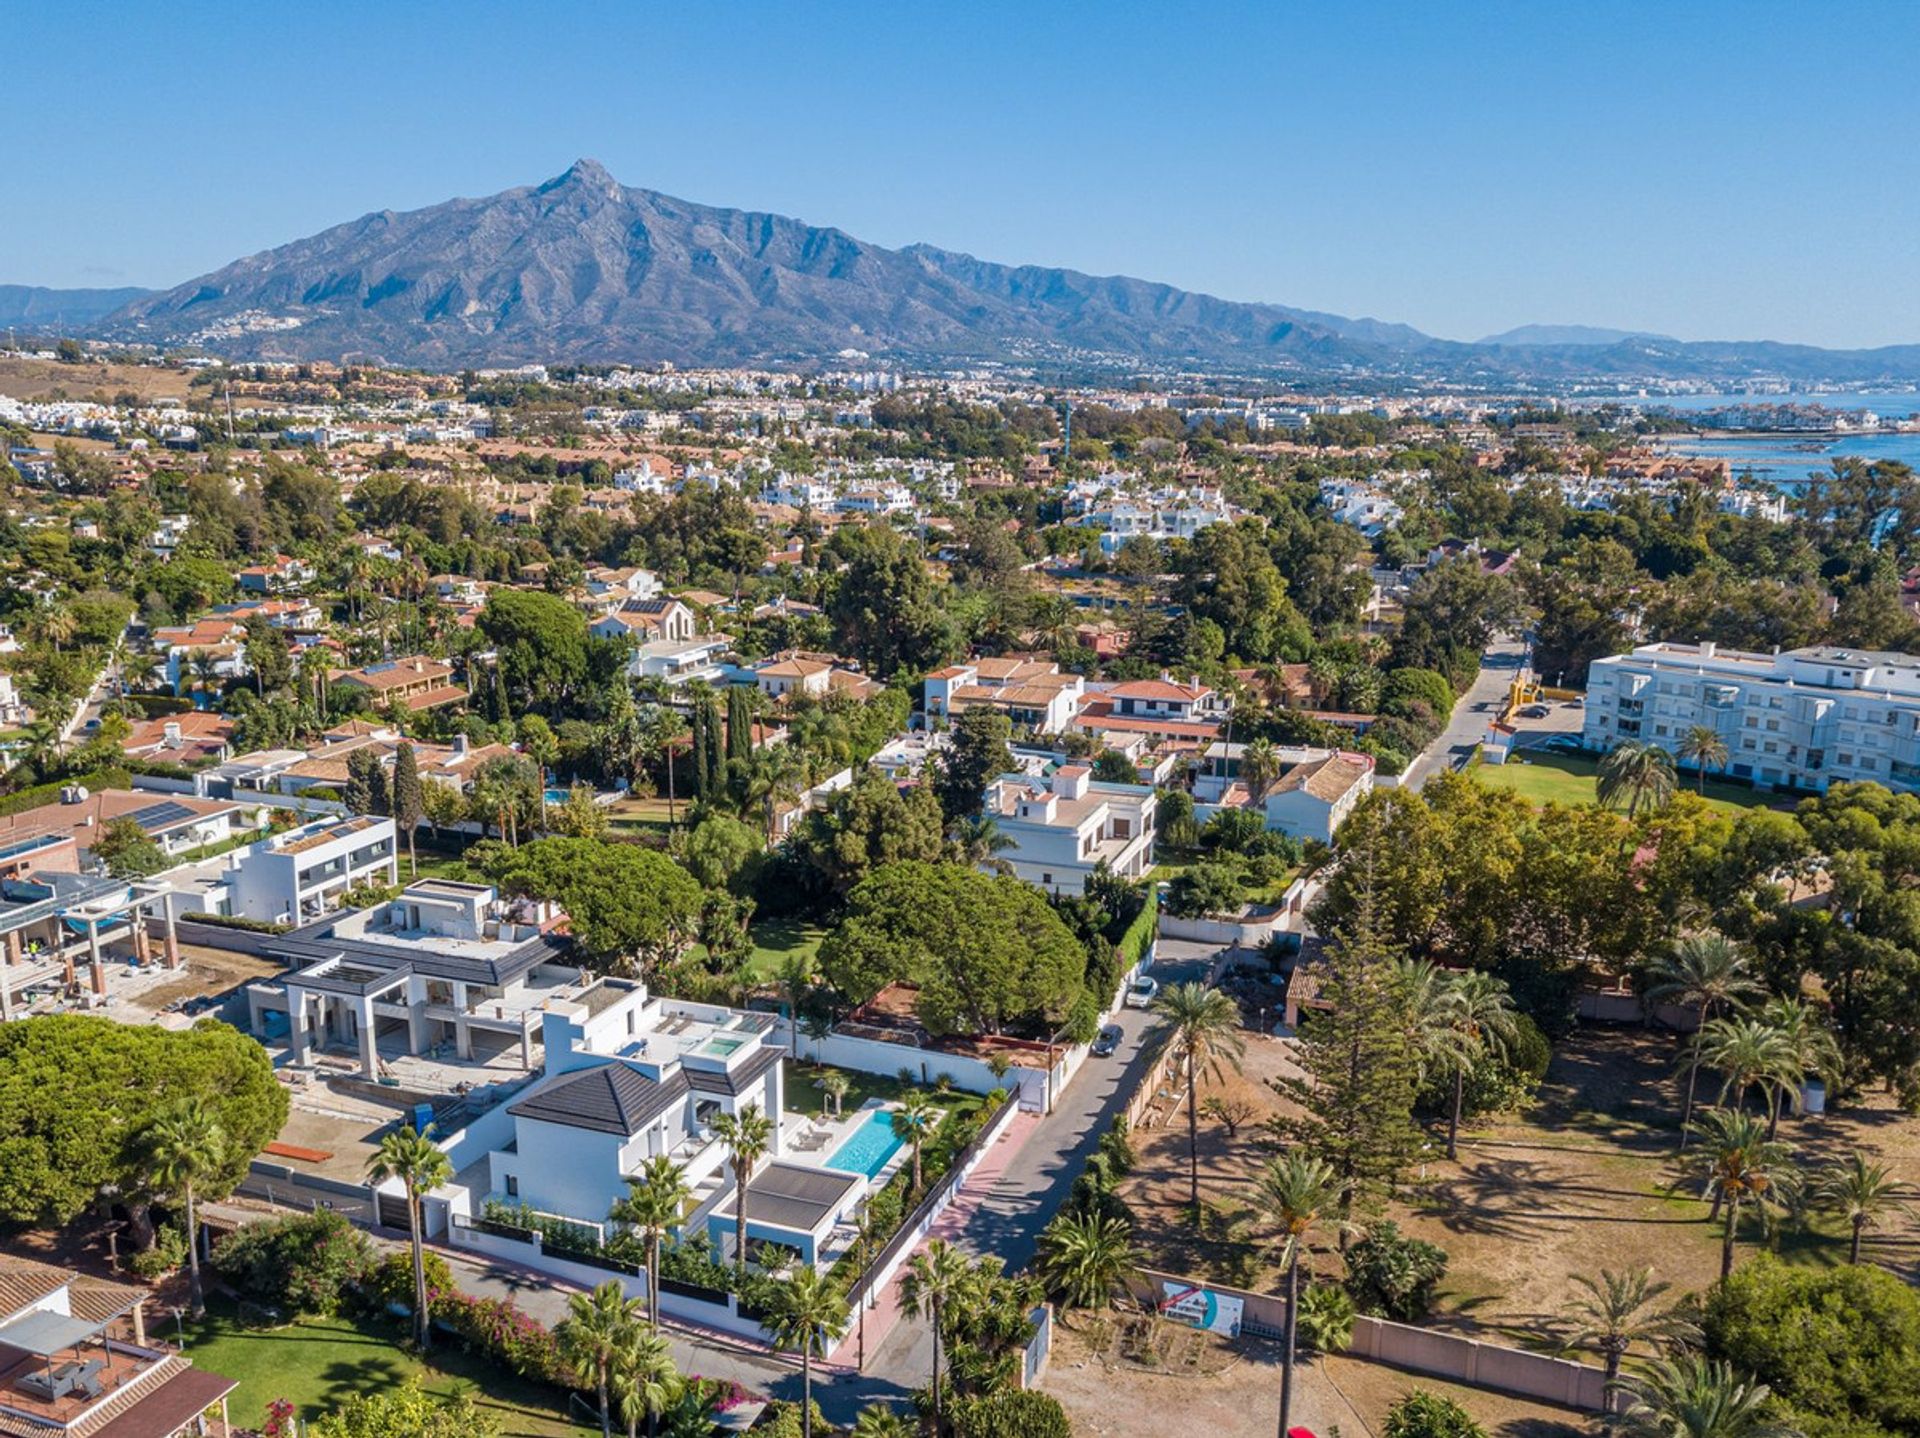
1141, 993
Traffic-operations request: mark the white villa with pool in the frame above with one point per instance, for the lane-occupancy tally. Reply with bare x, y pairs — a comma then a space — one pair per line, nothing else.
630, 1076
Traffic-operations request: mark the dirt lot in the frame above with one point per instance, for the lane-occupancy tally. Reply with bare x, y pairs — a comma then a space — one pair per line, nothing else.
202, 971
1231, 1389
47, 379
1585, 1179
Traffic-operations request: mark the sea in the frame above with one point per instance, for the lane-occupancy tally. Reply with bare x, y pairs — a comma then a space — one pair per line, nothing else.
1785, 460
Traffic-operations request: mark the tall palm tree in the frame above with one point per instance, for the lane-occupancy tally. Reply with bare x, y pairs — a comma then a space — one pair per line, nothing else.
1482, 1013
1617, 1311
795, 981
1748, 1054
656, 1201
138, 668
412, 1157
1695, 1397
1810, 1048
1704, 972
1703, 748
913, 1122
978, 842
809, 1314
1862, 1193
642, 1380
877, 1420
1259, 767
773, 778
597, 1327
1083, 1255
933, 1278
1638, 775
186, 1146
1204, 1032
1738, 1162
747, 1134
1294, 1194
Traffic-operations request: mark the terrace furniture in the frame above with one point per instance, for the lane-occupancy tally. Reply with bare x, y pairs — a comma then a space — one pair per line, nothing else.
87, 1377
50, 1386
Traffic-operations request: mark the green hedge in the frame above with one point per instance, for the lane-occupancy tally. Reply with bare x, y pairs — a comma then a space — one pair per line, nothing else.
236, 921
21, 800
1133, 943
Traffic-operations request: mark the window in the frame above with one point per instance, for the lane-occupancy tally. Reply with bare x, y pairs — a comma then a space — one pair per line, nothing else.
1046, 879
513, 1186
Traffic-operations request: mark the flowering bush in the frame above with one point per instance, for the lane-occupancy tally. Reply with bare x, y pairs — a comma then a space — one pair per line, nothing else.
497, 1328
281, 1422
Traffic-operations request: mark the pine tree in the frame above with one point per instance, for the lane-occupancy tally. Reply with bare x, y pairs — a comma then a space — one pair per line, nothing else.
739, 724
1363, 1074
409, 803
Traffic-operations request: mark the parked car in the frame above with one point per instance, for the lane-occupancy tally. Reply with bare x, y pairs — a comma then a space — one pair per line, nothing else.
1142, 992
1534, 711
1563, 742
1576, 702
1107, 1042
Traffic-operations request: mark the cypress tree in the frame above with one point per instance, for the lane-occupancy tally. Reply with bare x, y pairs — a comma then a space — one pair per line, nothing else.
716, 759
739, 723
409, 802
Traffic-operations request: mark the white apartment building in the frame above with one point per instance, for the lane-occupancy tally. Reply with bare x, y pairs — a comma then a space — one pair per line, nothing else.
1032, 693
299, 875
1062, 829
1802, 720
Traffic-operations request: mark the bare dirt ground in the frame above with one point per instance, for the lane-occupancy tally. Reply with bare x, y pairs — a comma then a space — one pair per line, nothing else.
202, 971
1225, 1388
48, 379
1585, 1179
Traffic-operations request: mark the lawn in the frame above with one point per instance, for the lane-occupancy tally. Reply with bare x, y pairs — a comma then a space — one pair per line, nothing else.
1541, 776
803, 1097
777, 940
318, 1362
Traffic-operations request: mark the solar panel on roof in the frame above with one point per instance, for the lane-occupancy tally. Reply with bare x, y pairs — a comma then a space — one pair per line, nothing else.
158, 816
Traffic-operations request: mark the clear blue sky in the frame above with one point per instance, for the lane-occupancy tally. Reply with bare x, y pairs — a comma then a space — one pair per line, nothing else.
1710, 170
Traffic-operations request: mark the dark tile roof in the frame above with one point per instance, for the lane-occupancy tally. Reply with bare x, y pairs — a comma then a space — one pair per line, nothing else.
797, 1197
749, 1073
611, 1098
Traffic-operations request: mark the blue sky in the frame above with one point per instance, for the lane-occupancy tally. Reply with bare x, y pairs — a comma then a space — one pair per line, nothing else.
1707, 170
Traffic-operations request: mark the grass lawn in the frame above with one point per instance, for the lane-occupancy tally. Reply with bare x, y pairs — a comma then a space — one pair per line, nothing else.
648, 815
1541, 777
318, 1362
803, 1097
777, 940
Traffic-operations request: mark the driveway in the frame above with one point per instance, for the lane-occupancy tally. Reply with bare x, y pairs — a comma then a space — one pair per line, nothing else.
1478, 707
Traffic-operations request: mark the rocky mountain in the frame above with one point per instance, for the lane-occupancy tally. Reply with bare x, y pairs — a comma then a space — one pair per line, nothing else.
34, 308
584, 269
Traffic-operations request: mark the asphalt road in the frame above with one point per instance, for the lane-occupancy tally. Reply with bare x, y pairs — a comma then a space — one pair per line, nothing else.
1479, 706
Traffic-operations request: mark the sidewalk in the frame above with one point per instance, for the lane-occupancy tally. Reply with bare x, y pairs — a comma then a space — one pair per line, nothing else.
950, 1225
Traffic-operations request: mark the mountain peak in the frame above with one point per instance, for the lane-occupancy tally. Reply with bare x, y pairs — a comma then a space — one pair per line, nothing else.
584, 174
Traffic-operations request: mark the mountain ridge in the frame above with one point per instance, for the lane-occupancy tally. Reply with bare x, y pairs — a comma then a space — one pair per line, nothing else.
580, 268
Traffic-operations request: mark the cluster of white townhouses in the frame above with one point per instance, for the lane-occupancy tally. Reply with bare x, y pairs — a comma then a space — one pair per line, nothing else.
1803, 719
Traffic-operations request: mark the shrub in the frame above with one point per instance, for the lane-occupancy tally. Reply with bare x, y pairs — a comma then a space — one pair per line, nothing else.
1393, 1275
169, 1251
1326, 1318
1209, 888
1840, 1346
1011, 1413
300, 1264
781, 1419
497, 1329
391, 1280
1427, 1415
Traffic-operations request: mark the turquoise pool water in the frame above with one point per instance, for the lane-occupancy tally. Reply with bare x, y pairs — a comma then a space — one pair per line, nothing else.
868, 1148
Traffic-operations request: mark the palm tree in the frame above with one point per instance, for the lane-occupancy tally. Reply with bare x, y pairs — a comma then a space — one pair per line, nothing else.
1704, 972
1205, 1036
1703, 748
809, 1314
1738, 1161
1259, 767
186, 1146
206, 671
1639, 774
642, 1379
747, 1135
774, 777
412, 1157
834, 1084
932, 1279
598, 1326
1617, 1311
1293, 1193
978, 842
877, 1420
1862, 1193
1748, 1053
1810, 1048
1695, 1397
913, 1122
656, 1201
139, 668
795, 979
1483, 1014
1083, 1255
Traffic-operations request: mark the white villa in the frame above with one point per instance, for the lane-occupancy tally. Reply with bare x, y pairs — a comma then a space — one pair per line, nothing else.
1063, 828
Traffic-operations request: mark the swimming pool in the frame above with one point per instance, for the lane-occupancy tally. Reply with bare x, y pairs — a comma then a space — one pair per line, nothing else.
869, 1147
559, 796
